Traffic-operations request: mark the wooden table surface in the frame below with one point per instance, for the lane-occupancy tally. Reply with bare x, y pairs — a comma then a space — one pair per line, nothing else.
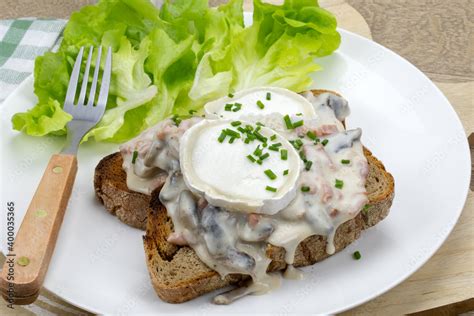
438, 37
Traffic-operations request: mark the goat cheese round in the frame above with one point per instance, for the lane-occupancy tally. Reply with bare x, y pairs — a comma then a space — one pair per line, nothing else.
257, 175
260, 101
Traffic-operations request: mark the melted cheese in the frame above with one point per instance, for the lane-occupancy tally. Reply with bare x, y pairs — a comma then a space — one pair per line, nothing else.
272, 100
223, 173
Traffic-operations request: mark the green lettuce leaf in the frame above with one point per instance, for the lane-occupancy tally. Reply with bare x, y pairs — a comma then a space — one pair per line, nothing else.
45, 118
174, 60
276, 50
131, 86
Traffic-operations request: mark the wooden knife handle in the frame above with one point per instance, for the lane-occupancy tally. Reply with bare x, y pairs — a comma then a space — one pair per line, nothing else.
25, 266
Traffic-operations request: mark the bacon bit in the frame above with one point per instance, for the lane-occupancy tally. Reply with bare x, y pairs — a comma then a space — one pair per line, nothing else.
301, 130
167, 128
253, 220
177, 239
161, 135
333, 213
326, 193
326, 130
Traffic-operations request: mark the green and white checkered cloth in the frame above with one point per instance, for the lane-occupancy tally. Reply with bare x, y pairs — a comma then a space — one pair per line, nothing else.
20, 42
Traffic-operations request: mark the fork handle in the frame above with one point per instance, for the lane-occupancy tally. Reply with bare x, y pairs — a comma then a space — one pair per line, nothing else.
26, 265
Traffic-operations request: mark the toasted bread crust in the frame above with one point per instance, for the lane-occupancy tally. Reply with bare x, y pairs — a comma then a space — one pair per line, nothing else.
177, 273
110, 184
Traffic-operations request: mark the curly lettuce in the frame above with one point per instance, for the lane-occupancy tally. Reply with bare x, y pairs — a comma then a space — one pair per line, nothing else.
171, 61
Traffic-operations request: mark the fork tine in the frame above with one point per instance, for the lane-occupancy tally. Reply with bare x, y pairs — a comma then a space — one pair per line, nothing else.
85, 78
91, 99
104, 88
71, 89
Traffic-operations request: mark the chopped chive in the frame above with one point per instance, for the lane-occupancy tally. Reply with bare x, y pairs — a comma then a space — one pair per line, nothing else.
237, 107
269, 173
271, 189
249, 157
365, 209
249, 127
259, 162
260, 105
247, 141
251, 136
176, 119
274, 148
297, 143
299, 114
302, 155
325, 141
269, 96
264, 145
305, 188
345, 161
264, 156
339, 184
260, 137
288, 123
236, 123
284, 154
241, 129
308, 164
221, 137
356, 255
285, 172
258, 151
316, 141
273, 137
228, 107
298, 124
192, 112
134, 157
230, 95
259, 124
311, 135
231, 140
231, 133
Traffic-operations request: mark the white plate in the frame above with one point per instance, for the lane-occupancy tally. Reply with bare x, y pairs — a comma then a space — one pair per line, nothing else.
99, 263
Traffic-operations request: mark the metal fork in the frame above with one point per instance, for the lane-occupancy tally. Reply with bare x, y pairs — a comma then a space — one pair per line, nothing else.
26, 265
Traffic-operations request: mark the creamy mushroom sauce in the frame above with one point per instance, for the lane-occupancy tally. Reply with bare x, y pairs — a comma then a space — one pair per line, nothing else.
233, 242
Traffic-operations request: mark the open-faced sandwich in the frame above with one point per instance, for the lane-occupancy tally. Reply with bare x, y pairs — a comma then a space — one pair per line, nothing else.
263, 180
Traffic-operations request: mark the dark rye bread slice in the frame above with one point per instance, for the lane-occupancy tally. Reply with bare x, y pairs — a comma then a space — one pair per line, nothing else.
110, 184
178, 275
